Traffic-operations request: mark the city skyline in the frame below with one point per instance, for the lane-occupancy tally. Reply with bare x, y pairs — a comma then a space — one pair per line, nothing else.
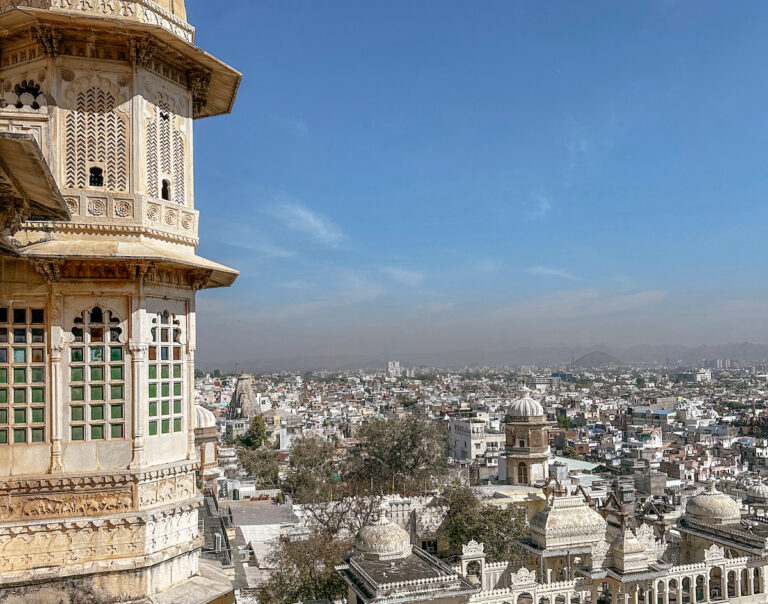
422, 180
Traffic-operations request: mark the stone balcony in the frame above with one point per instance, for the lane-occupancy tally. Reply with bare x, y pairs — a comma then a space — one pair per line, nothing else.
142, 12
132, 214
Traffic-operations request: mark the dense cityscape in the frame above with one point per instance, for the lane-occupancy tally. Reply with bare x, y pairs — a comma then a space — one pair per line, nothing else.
643, 446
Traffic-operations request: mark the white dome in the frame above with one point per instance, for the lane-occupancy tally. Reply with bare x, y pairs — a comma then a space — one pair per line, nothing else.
525, 407
382, 540
758, 493
713, 507
204, 418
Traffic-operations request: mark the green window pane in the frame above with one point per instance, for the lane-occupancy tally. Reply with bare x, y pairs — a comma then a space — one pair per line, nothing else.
4, 436
116, 392
177, 389
19, 375
152, 409
153, 391
3, 396
3, 376
78, 414
97, 412
76, 374
177, 371
177, 424
20, 435
116, 412
3, 355
38, 374
19, 396
97, 354
19, 416
116, 372
166, 407
77, 393
97, 373
153, 372
166, 426
3, 416
177, 406
38, 395
152, 428
116, 353
78, 432
166, 372
97, 393
19, 355
38, 415
97, 432
116, 430
38, 435
165, 389
76, 355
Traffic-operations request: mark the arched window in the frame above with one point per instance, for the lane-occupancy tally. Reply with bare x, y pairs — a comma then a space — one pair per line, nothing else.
97, 377
96, 178
522, 473
166, 192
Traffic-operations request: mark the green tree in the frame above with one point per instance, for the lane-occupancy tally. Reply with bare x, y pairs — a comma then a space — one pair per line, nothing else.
256, 434
563, 422
407, 452
469, 518
312, 470
304, 570
570, 452
217, 373
261, 464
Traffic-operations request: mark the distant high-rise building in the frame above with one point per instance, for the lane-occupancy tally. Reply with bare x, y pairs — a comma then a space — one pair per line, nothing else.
393, 369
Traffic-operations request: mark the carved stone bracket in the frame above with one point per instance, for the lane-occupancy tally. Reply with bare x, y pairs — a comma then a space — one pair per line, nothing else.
48, 37
199, 84
143, 49
50, 269
13, 212
198, 279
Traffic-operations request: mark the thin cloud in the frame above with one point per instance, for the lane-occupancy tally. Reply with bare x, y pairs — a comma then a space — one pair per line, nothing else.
436, 307
547, 271
541, 208
295, 284
303, 220
404, 276
488, 265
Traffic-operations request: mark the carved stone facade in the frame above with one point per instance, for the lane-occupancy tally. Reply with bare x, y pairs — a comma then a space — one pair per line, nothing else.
97, 314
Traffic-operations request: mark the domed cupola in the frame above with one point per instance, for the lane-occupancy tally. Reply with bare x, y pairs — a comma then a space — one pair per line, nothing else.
713, 507
204, 418
524, 408
383, 540
758, 493
567, 522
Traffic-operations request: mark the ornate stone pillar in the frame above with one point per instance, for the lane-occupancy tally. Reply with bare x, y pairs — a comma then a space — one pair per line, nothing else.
666, 592
140, 409
738, 584
636, 594
57, 407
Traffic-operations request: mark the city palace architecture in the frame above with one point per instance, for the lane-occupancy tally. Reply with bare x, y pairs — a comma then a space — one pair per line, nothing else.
98, 232
578, 551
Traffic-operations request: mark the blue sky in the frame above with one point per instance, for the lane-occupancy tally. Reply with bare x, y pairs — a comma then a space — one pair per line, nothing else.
437, 175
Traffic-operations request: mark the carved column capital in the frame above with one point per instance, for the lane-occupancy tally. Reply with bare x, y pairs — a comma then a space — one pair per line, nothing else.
57, 352
138, 351
198, 279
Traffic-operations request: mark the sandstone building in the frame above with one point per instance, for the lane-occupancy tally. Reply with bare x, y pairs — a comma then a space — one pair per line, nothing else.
97, 298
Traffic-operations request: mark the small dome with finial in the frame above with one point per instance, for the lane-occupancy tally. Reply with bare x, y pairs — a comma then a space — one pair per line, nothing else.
383, 540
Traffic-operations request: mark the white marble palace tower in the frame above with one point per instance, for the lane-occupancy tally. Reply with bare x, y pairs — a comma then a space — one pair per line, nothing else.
97, 312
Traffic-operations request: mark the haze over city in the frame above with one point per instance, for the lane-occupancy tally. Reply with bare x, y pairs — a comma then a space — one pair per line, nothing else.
514, 176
